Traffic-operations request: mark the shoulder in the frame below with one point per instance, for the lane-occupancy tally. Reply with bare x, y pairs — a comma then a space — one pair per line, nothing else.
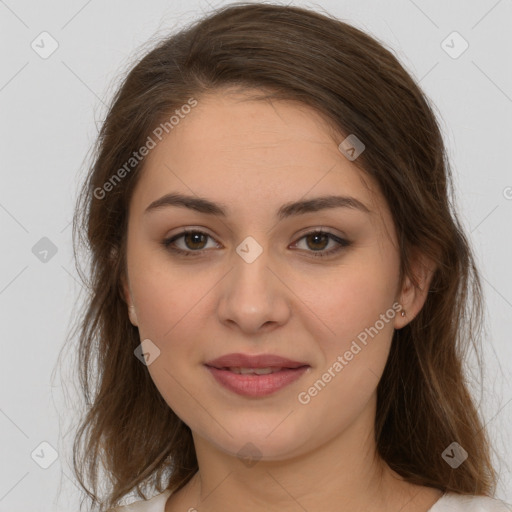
453, 502
155, 504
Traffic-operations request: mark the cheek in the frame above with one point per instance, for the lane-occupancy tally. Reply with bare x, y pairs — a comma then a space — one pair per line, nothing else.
353, 359
354, 296
166, 295
171, 312
158, 308
357, 308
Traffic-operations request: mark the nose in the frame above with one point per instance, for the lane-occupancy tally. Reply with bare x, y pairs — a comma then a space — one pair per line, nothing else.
254, 297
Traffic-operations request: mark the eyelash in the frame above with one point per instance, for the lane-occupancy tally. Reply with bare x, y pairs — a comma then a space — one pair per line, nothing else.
167, 243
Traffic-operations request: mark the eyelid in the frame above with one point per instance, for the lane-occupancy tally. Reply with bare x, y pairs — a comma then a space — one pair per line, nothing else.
341, 241
171, 239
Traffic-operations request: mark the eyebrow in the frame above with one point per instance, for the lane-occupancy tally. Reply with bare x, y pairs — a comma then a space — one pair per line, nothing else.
203, 205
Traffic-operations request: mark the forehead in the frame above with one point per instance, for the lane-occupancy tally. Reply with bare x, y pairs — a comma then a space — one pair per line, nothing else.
248, 153
233, 126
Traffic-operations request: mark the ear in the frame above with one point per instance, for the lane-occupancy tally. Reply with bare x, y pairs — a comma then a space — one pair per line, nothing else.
127, 294
412, 297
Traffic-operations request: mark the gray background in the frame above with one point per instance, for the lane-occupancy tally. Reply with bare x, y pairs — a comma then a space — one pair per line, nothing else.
51, 109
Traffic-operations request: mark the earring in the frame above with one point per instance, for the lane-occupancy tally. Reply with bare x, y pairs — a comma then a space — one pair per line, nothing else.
402, 313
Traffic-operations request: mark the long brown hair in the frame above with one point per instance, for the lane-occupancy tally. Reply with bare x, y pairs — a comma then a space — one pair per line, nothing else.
361, 88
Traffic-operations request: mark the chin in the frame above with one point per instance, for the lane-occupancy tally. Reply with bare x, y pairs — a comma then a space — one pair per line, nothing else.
252, 443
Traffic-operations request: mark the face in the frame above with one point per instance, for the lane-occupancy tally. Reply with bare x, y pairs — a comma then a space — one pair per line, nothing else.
256, 279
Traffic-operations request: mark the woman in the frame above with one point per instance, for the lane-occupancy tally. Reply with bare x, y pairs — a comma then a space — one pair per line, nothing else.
281, 289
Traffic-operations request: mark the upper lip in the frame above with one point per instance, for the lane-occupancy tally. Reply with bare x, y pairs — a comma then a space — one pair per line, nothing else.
257, 361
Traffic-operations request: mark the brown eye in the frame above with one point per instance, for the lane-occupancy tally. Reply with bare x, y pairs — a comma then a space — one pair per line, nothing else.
317, 241
193, 241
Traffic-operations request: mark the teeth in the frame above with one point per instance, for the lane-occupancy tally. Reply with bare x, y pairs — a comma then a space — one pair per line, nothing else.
257, 371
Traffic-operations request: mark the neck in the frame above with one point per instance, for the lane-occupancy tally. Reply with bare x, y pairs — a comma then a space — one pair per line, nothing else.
345, 470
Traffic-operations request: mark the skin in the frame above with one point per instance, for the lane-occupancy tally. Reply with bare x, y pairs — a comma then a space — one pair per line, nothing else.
254, 156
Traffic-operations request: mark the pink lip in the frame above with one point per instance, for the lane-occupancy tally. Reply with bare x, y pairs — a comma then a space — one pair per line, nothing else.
258, 361
256, 385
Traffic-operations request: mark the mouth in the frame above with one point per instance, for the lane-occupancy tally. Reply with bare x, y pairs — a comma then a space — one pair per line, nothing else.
256, 382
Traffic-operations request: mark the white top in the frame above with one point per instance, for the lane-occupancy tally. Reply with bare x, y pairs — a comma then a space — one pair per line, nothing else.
156, 504
449, 502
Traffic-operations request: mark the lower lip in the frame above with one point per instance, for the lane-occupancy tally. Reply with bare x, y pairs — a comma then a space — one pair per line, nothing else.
256, 385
